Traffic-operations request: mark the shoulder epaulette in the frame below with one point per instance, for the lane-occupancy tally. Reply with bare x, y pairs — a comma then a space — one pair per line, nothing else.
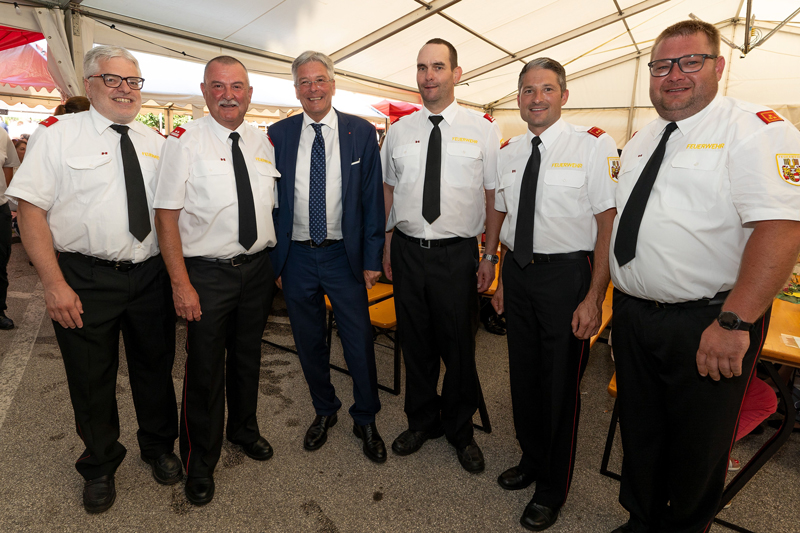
769, 116
488, 117
597, 132
177, 132
505, 143
48, 122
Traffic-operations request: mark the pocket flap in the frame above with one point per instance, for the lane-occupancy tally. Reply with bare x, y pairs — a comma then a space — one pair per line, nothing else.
697, 159
565, 178
629, 163
406, 150
265, 169
507, 180
210, 167
88, 161
464, 150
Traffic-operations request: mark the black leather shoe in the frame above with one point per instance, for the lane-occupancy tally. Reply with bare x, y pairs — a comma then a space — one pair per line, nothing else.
624, 528
374, 448
471, 458
538, 517
199, 490
99, 494
515, 479
166, 469
317, 433
260, 450
7, 323
410, 441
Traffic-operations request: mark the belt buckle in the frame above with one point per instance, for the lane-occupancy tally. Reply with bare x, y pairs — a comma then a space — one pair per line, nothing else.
423, 242
238, 260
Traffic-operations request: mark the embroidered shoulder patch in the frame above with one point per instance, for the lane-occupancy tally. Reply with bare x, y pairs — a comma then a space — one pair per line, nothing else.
48, 122
505, 143
177, 132
613, 168
488, 117
789, 168
597, 132
769, 116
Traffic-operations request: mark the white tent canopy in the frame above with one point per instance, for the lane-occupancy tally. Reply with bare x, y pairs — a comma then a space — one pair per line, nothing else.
604, 45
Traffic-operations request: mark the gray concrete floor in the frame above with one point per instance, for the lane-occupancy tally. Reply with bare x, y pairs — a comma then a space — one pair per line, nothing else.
335, 489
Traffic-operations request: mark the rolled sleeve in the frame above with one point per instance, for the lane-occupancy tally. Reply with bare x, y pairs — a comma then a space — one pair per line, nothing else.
602, 188
173, 172
36, 181
490, 160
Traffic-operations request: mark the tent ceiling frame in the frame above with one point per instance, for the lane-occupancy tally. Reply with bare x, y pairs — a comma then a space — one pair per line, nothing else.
564, 37
627, 28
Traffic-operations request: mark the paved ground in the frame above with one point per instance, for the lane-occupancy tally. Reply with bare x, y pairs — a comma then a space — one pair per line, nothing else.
335, 489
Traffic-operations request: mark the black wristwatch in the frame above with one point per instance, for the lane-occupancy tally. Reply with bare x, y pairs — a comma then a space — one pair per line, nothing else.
493, 258
731, 321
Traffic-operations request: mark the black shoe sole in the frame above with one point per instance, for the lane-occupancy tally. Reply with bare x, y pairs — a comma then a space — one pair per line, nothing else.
259, 457
324, 438
162, 481
95, 509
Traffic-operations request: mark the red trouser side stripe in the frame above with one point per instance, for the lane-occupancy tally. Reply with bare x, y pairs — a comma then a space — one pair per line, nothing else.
186, 386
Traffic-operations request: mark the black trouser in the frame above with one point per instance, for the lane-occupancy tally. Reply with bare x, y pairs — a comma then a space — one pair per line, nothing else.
436, 299
235, 302
677, 427
139, 304
5, 252
546, 363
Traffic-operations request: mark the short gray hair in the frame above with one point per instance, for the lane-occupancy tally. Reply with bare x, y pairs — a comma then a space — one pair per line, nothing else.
547, 64
309, 56
226, 60
91, 61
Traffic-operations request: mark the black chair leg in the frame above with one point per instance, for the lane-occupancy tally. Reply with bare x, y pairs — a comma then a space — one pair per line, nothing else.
612, 429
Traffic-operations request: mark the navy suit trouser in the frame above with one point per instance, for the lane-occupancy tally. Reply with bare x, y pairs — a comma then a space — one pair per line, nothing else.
308, 275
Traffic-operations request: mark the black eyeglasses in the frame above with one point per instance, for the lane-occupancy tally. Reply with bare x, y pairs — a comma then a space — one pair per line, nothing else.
319, 82
688, 64
114, 81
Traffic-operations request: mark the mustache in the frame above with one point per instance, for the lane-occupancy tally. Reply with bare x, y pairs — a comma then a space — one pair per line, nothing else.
228, 102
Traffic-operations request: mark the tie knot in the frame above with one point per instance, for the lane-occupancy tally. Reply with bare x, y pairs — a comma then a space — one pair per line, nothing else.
317, 128
436, 119
234, 136
536, 141
119, 128
670, 128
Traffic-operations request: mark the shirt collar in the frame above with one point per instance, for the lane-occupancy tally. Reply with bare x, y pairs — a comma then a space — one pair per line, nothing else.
330, 120
449, 113
549, 135
102, 123
223, 134
688, 124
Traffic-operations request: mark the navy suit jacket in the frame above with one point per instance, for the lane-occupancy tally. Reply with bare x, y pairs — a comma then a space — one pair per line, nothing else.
363, 215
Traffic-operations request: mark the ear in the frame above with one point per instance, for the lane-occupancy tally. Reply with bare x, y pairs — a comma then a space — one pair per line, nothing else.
565, 97
719, 66
86, 88
457, 75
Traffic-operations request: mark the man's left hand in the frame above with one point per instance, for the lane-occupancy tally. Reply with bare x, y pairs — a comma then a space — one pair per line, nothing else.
371, 277
721, 352
485, 276
586, 319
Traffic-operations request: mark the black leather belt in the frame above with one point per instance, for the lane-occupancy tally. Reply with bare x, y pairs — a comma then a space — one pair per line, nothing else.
241, 259
552, 258
323, 244
119, 266
435, 243
718, 299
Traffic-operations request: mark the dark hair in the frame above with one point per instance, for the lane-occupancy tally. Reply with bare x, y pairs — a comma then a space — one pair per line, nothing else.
547, 64
687, 28
76, 104
451, 48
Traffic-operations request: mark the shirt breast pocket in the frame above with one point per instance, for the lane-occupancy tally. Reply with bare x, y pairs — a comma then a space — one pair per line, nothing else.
267, 176
463, 164
406, 163
562, 192
214, 183
90, 176
693, 180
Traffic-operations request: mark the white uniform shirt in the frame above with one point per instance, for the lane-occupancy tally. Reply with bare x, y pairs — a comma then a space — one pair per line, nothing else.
470, 144
75, 173
575, 183
196, 175
333, 178
723, 169
8, 159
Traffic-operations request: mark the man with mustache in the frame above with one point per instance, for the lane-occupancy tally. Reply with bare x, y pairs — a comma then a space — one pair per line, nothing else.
707, 233
555, 198
438, 173
86, 190
214, 219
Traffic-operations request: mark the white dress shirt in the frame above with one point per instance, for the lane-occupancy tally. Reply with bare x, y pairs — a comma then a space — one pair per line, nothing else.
470, 144
575, 183
196, 176
8, 159
75, 173
722, 171
333, 178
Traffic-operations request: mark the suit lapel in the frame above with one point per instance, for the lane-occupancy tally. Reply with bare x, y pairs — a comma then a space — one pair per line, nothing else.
345, 150
290, 151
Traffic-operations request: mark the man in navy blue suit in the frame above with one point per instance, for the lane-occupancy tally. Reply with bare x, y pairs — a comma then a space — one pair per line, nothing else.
329, 222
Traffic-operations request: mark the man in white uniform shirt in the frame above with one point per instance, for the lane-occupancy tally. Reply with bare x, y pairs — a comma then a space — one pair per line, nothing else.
9, 160
707, 233
438, 173
86, 190
213, 215
557, 208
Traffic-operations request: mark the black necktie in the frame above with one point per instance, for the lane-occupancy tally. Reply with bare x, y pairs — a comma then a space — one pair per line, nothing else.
138, 212
526, 211
248, 232
431, 192
631, 218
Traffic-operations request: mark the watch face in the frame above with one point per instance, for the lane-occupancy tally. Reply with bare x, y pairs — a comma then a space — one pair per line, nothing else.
729, 320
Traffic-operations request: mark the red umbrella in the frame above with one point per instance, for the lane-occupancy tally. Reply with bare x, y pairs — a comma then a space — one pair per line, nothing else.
395, 109
12, 37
